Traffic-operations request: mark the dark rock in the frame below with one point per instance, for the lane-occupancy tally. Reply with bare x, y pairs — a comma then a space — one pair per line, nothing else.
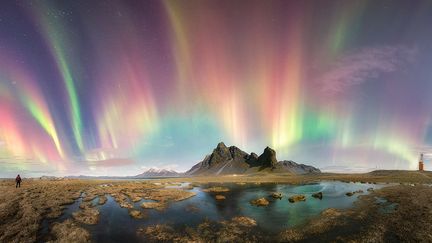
260, 202
296, 198
318, 195
276, 195
222, 160
349, 194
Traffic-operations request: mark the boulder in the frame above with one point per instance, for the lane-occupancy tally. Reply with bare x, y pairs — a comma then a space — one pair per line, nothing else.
260, 202
276, 195
296, 198
349, 194
318, 195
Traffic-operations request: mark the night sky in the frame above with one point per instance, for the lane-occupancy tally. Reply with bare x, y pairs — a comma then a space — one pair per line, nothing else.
116, 87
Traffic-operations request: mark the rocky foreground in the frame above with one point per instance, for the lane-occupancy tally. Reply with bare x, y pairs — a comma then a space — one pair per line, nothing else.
392, 214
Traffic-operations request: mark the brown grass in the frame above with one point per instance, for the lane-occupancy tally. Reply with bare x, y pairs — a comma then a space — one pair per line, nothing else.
22, 209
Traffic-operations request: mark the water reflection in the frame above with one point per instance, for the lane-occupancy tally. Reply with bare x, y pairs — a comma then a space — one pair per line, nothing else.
116, 225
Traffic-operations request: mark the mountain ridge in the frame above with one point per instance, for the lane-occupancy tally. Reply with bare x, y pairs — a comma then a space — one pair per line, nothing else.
154, 172
232, 160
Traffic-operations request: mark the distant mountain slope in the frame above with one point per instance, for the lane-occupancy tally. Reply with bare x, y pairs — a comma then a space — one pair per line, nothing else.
153, 172
231, 160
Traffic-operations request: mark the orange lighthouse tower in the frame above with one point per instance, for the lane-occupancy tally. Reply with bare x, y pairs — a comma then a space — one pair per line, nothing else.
421, 163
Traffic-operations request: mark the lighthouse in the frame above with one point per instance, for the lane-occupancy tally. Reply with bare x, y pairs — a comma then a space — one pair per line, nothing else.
421, 163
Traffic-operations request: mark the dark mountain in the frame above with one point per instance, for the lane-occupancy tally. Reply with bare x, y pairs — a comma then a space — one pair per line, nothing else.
267, 159
231, 160
158, 173
222, 160
291, 166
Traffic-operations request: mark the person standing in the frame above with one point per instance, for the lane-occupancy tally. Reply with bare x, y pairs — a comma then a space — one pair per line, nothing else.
18, 181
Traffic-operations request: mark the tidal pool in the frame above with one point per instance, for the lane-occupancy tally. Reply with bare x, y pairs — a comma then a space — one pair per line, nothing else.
115, 224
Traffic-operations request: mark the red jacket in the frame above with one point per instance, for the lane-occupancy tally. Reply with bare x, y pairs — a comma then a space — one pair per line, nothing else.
18, 179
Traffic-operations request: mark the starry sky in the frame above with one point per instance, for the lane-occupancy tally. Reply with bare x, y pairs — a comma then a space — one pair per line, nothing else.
114, 87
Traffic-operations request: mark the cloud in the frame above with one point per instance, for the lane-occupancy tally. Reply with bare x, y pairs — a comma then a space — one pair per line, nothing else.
367, 63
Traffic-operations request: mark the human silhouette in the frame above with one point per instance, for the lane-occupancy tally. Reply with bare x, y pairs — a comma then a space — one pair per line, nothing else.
18, 181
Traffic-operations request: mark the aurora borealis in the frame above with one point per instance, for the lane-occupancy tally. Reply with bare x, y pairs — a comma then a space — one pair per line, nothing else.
113, 87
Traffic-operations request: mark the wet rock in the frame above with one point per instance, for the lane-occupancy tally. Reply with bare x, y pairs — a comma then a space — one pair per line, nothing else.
359, 191
260, 202
87, 216
136, 214
220, 197
216, 189
370, 189
349, 194
68, 231
318, 195
296, 198
276, 195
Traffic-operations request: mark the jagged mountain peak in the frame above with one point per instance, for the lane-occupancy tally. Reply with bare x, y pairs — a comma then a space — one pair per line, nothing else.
232, 160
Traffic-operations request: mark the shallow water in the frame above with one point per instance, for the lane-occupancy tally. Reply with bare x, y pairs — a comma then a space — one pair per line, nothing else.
116, 225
